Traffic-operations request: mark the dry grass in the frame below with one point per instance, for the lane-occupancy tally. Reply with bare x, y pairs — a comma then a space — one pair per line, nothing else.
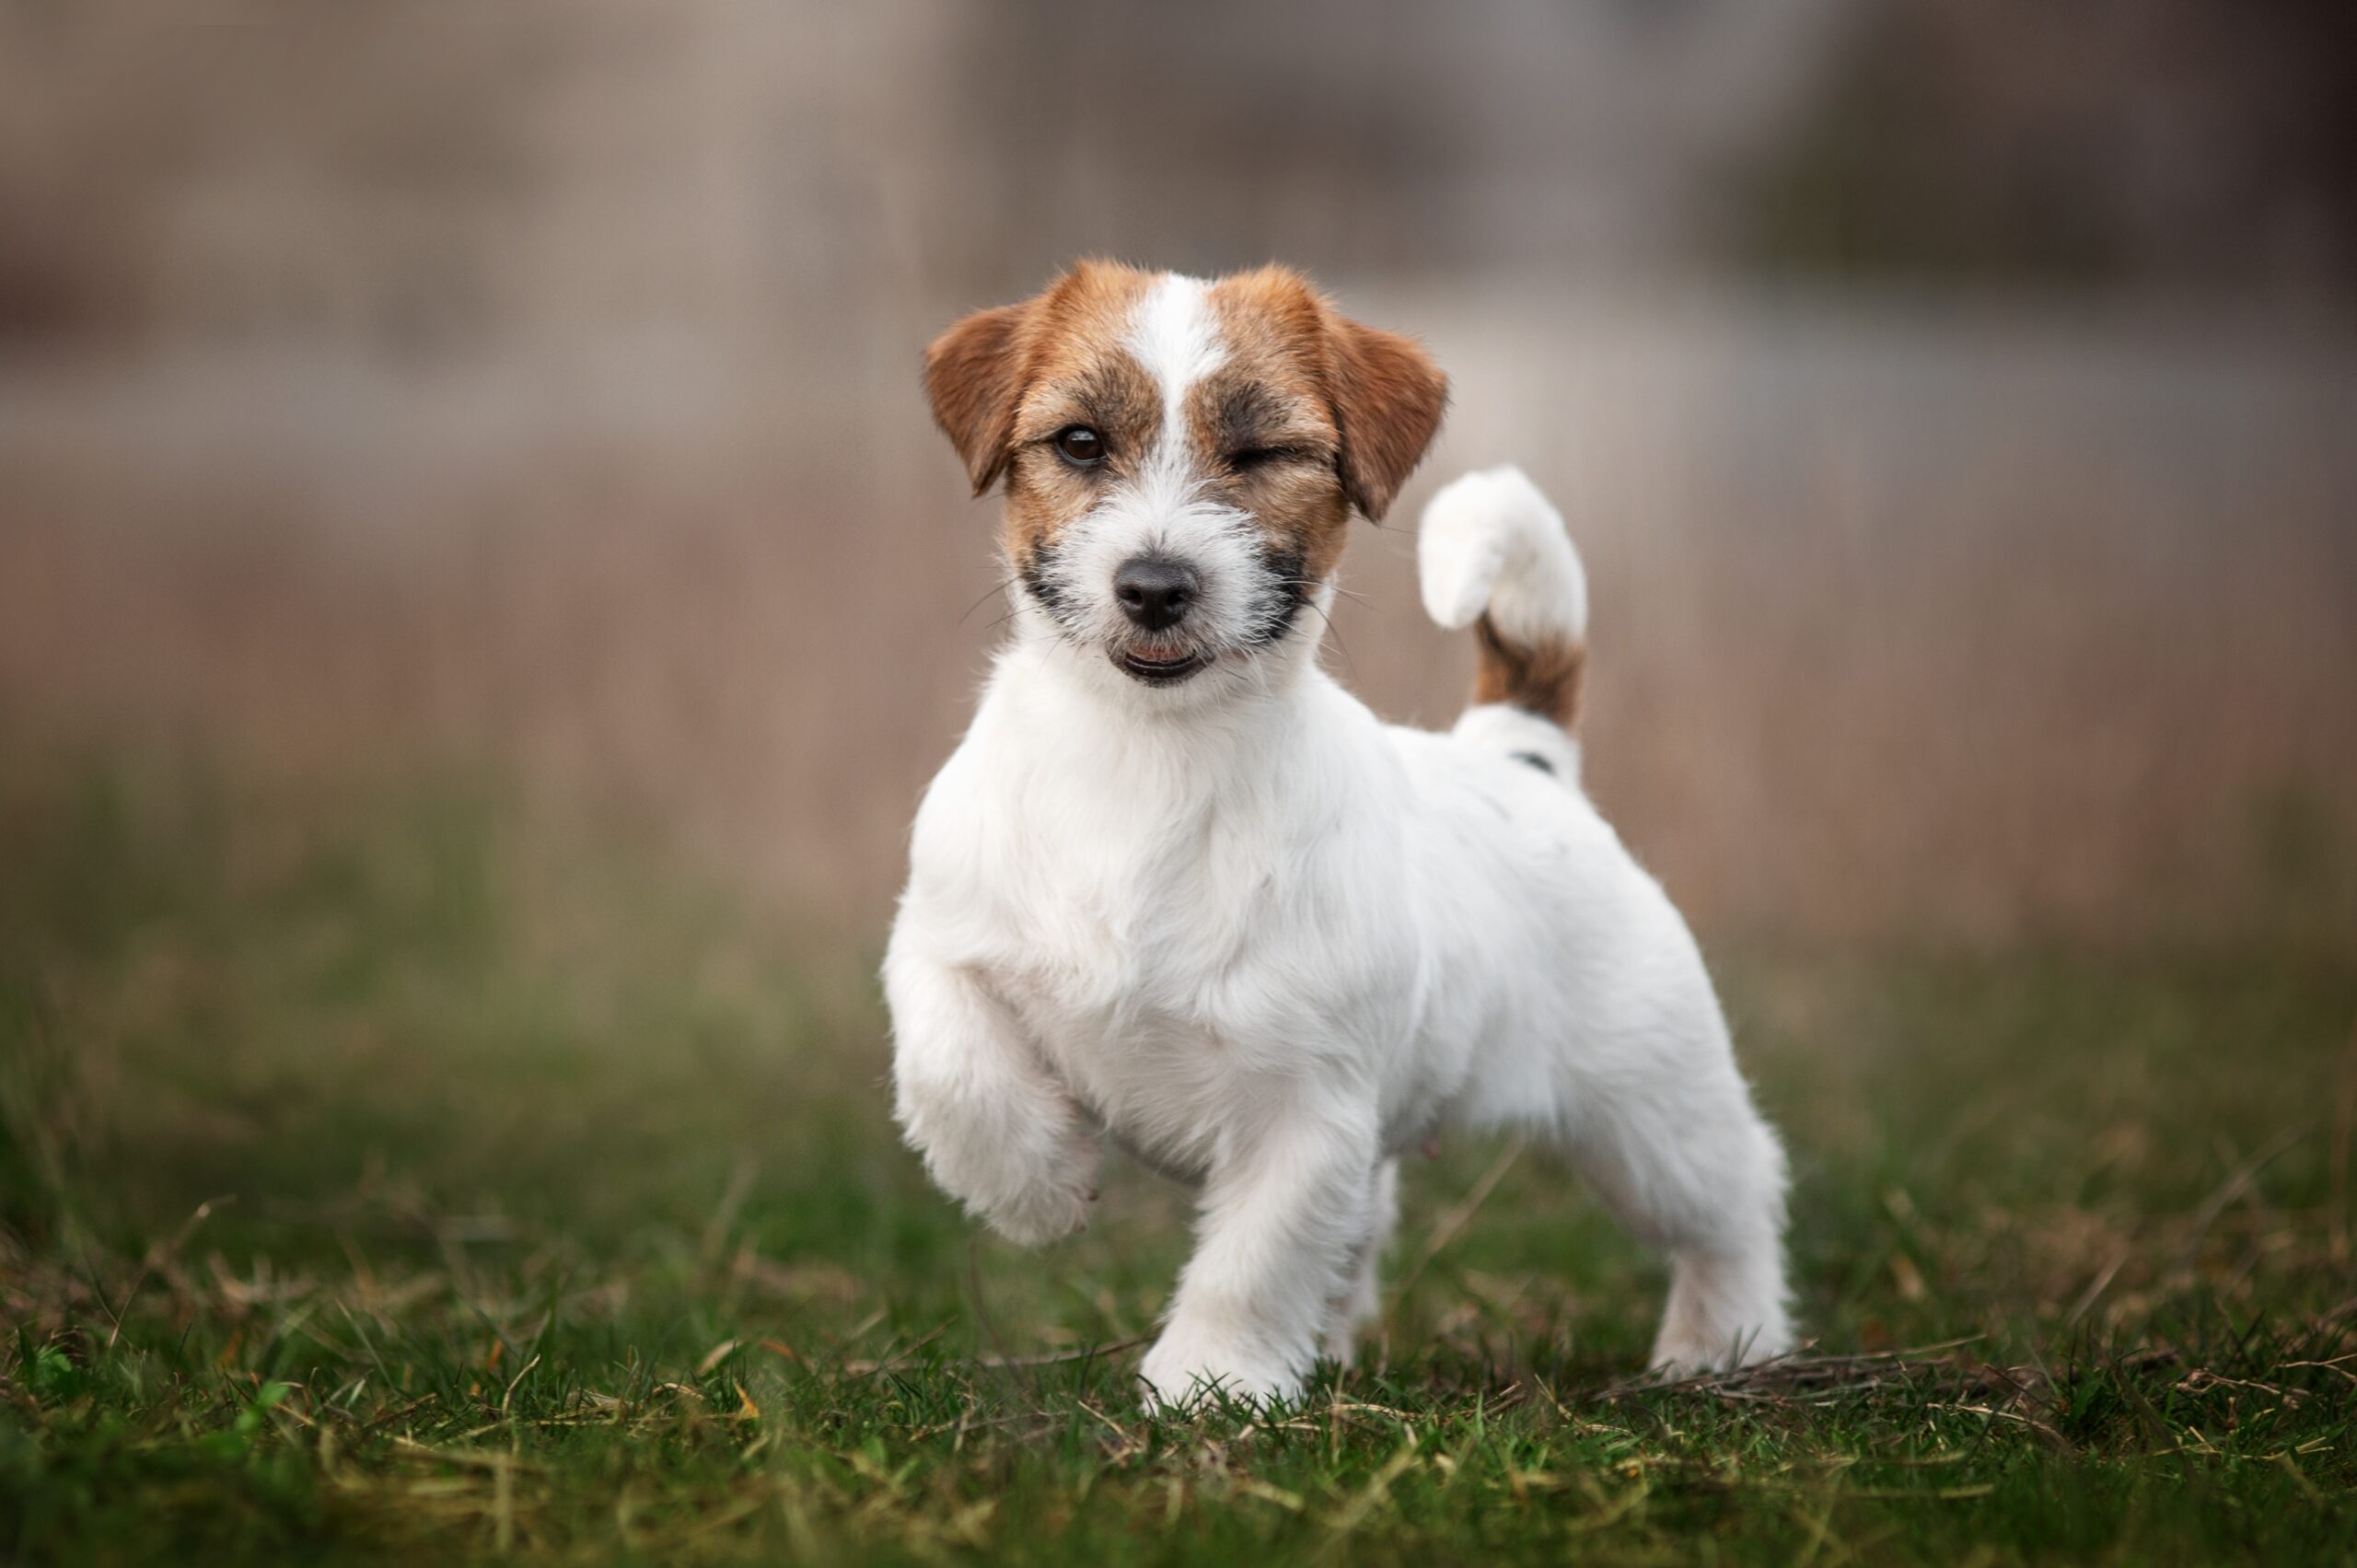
403, 1175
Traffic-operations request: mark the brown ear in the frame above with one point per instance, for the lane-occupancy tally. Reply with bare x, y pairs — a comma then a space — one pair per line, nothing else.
1388, 399
973, 374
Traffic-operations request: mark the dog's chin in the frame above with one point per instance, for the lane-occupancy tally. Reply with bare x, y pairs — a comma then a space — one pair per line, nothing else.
1161, 670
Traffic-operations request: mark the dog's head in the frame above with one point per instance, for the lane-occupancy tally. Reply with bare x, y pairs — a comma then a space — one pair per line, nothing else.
1181, 458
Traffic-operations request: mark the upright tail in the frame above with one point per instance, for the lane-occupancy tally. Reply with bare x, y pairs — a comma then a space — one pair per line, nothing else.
1493, 555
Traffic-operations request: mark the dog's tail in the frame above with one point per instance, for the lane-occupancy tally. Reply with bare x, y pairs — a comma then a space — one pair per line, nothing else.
1493, 555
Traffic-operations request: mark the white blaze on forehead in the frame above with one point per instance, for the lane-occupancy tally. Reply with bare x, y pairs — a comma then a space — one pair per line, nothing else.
1171, 333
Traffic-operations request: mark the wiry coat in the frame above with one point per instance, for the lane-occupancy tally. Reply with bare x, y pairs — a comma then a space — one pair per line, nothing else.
1229, 918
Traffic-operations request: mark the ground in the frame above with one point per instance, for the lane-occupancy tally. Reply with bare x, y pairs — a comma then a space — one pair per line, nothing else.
403, 1171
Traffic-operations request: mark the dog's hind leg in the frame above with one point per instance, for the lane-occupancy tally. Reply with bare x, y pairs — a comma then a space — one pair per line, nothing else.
1362, 1300
1689, 1165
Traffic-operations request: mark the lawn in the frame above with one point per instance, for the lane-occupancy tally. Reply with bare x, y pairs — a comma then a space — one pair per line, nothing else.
396, 1174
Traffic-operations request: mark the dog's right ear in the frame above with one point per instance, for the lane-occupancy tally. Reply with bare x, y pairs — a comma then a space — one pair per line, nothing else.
974, 373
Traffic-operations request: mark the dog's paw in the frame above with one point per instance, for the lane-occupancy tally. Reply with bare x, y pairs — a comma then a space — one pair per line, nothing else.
1052, 1202
1681, 1354
1185, 1370
1030, 1188
1725, 1311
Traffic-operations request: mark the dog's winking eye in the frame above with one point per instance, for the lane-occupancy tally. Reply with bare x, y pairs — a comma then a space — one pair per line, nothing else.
1080, 446
1260, 457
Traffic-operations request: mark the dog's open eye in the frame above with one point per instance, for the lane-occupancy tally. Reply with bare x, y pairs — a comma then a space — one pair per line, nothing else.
1080, 446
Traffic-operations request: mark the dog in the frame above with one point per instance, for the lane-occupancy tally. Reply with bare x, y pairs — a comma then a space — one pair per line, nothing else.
1178, 888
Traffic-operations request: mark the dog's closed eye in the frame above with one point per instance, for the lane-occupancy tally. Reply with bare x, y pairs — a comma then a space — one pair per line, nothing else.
1252, 458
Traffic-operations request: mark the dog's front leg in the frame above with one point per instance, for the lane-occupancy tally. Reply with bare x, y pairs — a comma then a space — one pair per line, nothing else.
1285, 1212
998, 1132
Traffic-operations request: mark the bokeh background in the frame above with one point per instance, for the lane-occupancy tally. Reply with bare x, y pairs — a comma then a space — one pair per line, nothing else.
481, 595
1957, 404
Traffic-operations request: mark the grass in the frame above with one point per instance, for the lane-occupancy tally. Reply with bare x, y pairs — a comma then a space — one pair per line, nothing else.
395, 1176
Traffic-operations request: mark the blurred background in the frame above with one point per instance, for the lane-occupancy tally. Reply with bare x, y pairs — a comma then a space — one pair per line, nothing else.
481, 595
1956, 403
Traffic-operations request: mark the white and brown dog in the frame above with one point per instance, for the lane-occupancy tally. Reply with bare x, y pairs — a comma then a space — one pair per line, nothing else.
1178, 888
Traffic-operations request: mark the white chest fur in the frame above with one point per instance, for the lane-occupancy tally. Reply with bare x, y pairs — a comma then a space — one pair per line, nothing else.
1176, 913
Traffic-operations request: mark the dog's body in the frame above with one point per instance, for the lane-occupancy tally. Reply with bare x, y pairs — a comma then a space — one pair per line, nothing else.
1267, 942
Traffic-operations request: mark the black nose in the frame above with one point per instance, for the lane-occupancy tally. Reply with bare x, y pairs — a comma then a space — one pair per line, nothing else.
1154, 593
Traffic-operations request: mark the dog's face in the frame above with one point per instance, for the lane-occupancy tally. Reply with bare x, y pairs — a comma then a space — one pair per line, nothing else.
1181, 458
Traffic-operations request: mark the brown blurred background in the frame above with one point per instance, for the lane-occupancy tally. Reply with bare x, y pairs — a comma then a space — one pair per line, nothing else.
1956, 403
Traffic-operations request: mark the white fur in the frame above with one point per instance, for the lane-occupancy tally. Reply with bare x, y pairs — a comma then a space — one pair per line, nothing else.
1490, 541
1173, 337
1267, 943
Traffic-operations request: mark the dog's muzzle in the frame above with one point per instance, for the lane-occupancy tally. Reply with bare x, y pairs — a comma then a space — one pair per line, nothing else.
1156, 593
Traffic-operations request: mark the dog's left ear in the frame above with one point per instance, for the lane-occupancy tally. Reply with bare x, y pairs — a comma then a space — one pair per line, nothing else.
1388, 399
973, 374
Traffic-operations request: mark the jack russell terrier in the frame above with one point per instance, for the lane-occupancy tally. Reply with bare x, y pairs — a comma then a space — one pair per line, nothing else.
1178, 888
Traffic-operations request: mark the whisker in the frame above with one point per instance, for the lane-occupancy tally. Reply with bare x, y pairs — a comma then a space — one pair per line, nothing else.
1337, 635
1309, 583
1001, 587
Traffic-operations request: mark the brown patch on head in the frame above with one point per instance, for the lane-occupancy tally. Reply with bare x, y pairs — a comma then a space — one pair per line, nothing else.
1077, 370
1005, 381
1310, 415
1263, 423
1542, 678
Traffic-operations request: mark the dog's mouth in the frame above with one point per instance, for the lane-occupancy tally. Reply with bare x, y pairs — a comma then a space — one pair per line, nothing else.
1150, 671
